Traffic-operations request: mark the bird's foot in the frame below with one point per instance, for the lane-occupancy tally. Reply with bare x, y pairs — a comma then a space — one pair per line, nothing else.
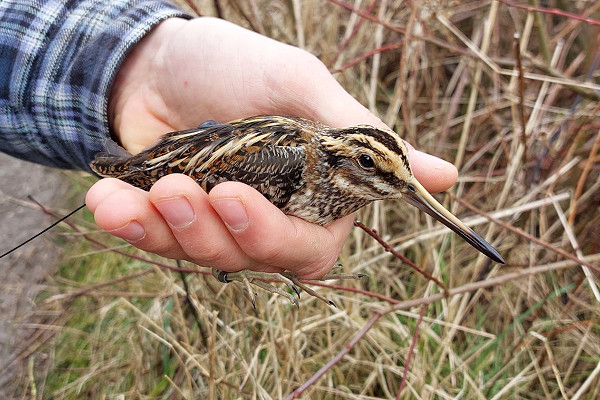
249, 278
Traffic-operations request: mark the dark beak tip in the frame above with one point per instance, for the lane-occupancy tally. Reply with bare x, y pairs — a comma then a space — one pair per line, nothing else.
499, 259
496, 257
484, 247
492, 253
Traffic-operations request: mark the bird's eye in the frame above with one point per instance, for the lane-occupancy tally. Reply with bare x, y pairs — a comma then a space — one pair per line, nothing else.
366, 162
411, 188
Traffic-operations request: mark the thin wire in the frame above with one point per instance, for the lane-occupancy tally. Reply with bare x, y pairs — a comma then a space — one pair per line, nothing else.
44, 231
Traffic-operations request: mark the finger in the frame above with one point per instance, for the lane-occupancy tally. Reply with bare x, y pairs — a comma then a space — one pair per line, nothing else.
439, 175
272, 238
126, 212
196, 226
103, 188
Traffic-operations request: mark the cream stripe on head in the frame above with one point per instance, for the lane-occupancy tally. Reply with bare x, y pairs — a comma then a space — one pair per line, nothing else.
385, 147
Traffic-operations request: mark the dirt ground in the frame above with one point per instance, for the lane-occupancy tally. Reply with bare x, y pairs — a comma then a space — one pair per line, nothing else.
24, 271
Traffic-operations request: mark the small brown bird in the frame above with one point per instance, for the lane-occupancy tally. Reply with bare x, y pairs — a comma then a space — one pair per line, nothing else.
307, 169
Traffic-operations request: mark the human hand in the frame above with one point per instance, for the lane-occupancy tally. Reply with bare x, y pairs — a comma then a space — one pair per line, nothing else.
186, 72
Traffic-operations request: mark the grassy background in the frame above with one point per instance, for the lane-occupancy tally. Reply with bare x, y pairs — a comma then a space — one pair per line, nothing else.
521, 124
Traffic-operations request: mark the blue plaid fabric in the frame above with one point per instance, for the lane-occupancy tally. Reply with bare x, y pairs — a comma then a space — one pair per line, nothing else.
57, 63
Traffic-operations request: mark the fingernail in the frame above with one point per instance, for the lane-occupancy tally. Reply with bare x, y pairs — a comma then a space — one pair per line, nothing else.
233, 212
177, 211
441, 161
133, 232
442, 164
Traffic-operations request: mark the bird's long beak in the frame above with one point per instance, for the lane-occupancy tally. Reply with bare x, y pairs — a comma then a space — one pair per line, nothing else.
420, 198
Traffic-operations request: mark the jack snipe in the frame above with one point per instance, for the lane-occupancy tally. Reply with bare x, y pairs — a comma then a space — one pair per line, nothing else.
305, 168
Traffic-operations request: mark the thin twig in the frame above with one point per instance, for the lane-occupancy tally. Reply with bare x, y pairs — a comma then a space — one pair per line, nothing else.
373, 233
105, 247
521, 106
317, 375
347, 40
91, 288
369, 16
61, 219
527, 236
553, 11
351, 289
438, 42
402, 305
485, 284
384, 48
583, 177
411, 351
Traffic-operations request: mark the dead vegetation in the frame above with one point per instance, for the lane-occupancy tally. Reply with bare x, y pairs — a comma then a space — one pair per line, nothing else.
510, 95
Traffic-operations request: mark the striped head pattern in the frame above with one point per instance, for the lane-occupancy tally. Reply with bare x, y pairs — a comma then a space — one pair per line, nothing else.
371, 160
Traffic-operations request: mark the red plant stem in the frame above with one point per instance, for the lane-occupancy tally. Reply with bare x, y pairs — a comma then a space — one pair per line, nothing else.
389, 249
105, 247
351, 289
518, 275
411, 351
368, 16
583, 178
553, 11
187, 270
387, 47
346, 42
526, 235
359, 335
371, 17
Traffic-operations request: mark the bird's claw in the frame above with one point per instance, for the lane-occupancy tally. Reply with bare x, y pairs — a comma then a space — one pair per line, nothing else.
292, 281
248, 278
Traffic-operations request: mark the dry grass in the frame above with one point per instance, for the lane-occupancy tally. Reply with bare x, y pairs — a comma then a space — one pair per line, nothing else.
521, 124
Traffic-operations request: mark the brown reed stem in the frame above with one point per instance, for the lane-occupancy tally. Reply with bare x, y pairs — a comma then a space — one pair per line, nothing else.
411, 351
527, 236
373, 233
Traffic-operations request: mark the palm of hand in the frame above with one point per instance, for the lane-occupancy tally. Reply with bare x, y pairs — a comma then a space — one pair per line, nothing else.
186, 72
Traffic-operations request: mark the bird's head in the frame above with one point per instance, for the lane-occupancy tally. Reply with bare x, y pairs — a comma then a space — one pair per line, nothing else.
373, 164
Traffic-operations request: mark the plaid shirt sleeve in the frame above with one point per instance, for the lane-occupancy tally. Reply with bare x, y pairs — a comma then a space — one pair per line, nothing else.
57, 63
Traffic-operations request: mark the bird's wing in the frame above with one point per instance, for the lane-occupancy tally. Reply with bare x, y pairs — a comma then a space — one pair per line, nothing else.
275, 171
269, 157
262, 153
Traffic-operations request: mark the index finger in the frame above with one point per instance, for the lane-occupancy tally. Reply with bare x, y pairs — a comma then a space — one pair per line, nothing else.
272, 238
